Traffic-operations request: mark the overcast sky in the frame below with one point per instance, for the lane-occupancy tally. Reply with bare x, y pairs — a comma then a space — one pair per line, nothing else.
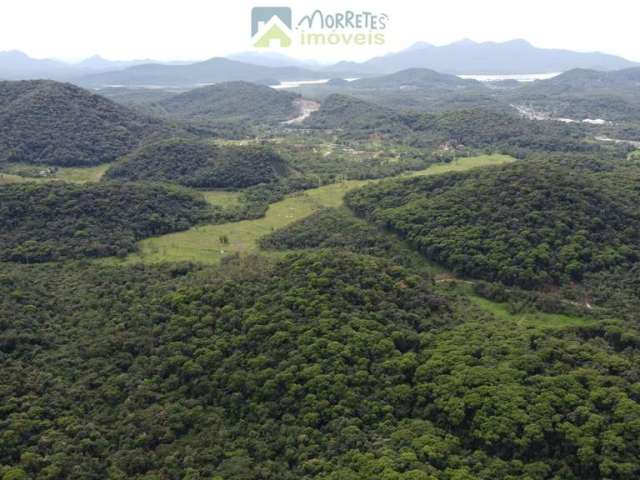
199, 29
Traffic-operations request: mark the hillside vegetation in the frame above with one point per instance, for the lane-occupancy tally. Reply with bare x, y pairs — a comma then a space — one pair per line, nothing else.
338, 228
54, 123
484, 128
527, 224
326, 366
52, 221
415, 284
233, 102
200, 164
416, 77
357, 117
585, 94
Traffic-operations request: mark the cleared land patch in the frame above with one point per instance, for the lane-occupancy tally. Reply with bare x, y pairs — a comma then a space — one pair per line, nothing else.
210, 243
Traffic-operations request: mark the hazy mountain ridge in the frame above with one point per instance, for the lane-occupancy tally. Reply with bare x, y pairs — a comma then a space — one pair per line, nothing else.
210, 71
462, 57
468, 57
17, 65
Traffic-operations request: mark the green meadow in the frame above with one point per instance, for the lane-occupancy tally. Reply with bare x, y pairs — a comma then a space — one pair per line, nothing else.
210, 243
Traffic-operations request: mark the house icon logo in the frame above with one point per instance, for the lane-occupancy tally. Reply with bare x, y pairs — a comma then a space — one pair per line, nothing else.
271, 27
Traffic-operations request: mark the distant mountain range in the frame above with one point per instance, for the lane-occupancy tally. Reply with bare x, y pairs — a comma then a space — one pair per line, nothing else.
97, 64
463, 57
210, 71
274, 59
468, 57
16, 65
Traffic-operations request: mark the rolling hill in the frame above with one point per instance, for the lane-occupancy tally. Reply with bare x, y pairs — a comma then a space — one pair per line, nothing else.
474, 128
56, 123
200, 164
53, 221
584, 94
322, 366
233, 102
586, 79
531, 224
415, 77
349, 114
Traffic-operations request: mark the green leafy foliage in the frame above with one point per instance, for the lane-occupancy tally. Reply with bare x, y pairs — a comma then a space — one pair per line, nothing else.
477, 128
505, 132
200, 164
525, 224
50, 221
54, 123
323, 366
233, 102
338, 228
357, 117
582, 93
330, 227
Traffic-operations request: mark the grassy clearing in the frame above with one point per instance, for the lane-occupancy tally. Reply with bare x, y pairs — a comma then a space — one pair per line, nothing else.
6, 178
31, 173
222, 198
210, 243
333, 195
82, 174
530, 319
462, 164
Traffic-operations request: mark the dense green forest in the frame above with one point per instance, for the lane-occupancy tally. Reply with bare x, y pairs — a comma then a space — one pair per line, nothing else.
56, 123
476, 128
232, 102
581, 93
325, 365
43, 222
328, 228
531, 224
338, 228
575, 95
357, 117
200, 164
479, 325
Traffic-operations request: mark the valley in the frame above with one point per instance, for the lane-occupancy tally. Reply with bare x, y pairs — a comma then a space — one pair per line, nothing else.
259, 270
211, 243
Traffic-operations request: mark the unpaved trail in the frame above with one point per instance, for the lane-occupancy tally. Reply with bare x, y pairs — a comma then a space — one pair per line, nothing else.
305, 108
633, 143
